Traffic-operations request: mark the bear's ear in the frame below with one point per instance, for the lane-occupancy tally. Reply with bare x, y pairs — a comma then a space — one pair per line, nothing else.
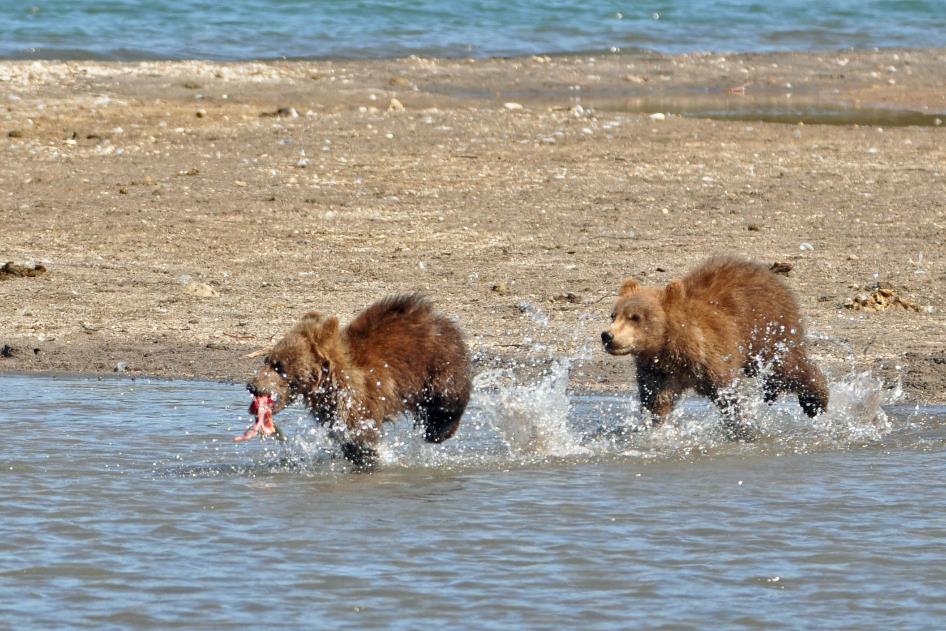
330, 328
674, 292
311, 315
629, 287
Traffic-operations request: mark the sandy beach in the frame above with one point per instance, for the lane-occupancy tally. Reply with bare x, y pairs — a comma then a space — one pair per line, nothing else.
186, 213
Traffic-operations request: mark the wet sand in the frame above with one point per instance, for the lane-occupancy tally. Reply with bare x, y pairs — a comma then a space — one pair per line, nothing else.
189, 212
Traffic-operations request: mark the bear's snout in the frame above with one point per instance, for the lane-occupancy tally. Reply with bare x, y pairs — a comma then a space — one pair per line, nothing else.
255, 391
607, 338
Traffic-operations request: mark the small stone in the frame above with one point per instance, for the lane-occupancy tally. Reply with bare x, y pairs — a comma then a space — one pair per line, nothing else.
398, 82
190, 85
201, 290
120, 367
513, 107
14, 133
123, 191
200, 113
239, 183
395, 106
568, 297
283, 112
501, 288
657, 116
7, 351
781, 267
11, 270
754, 227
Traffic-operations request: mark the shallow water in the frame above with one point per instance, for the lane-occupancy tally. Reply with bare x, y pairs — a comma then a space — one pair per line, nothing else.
271, 29
126, 505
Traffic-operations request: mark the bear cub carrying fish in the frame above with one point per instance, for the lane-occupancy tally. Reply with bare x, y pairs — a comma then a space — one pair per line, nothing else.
397, 356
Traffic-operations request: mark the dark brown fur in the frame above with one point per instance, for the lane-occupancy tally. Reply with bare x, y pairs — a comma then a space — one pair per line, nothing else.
726, 317
396, 356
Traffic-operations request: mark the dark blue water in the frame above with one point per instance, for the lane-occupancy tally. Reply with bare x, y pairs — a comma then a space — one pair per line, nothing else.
271, 29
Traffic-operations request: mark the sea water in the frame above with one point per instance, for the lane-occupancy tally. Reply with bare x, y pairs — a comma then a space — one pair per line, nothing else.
125, 504
273, 29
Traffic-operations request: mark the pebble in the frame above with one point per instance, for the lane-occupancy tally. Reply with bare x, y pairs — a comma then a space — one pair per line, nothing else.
120, 367
501, 288
568, 297
201, 113
781, 267
395, 106
657, 116
201, 290
14, 133
513, 107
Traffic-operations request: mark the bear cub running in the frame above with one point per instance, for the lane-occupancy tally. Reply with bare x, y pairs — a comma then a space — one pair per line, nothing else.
725, 317
397, 356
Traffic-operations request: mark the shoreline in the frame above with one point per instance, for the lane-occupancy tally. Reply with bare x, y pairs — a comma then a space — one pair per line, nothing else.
188, 212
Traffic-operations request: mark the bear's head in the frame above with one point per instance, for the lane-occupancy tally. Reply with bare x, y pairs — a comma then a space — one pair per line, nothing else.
300, 363
639, 318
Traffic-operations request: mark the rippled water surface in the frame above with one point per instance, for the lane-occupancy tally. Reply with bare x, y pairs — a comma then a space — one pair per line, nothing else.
270, 29
125, 504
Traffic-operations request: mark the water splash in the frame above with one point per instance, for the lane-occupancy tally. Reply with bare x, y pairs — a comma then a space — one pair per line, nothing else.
855, 417
514, 421
532, 419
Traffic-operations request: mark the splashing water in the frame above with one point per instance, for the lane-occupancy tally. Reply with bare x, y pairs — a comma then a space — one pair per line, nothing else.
514, 421
531, 419
519, 421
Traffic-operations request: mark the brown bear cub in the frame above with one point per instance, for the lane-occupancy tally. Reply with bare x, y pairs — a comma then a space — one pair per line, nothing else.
397, 356
725, 317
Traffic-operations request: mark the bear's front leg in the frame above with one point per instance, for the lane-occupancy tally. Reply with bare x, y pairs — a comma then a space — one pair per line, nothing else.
362, 457
734, 425
359, 436
658, 393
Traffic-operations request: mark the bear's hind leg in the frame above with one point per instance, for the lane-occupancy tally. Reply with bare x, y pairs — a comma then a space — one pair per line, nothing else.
813, 391
806, 380
440, 417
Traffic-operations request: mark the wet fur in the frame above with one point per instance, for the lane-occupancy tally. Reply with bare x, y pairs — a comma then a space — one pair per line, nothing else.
725, 318
397, 356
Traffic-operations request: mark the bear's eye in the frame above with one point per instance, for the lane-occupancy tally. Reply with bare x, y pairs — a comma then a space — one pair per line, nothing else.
614, 316
636, 317
277, 366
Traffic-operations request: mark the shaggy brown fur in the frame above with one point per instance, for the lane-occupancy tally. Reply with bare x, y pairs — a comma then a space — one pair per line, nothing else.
725, 317
396, 356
